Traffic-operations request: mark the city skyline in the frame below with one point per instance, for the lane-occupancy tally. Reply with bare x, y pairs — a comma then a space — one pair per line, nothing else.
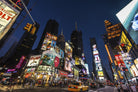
67, 13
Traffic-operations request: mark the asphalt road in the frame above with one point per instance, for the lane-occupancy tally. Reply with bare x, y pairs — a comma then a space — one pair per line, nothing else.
57, 89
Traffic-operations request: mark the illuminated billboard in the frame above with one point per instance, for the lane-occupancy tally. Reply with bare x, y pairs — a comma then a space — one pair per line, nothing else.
68, 50
125, 40
49, 41
34, 60
120, 61
48, 57
86, 66
8, 16
100, 73
128, 16
97, 61
67, 65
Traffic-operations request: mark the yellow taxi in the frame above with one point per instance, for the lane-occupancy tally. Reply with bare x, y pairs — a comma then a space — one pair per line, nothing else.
77, 86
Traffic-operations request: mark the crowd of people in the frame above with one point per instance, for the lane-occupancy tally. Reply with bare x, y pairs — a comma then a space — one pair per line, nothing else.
125, 87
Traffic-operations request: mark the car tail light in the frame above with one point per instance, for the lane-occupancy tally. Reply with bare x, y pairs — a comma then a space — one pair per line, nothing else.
76, 87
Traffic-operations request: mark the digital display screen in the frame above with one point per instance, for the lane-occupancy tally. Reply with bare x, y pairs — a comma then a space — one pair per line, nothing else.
128, 16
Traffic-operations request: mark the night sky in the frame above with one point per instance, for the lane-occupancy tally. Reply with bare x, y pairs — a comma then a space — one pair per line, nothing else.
89, 15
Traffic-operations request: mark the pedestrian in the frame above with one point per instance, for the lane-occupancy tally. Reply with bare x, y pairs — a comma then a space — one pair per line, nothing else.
118, 87
124, 87
133, 88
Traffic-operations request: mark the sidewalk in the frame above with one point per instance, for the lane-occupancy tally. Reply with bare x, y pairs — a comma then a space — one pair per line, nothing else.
6, 88
16, 87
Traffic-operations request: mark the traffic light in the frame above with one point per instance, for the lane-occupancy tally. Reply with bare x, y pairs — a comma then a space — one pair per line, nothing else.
28, 27
123, 46
35, 28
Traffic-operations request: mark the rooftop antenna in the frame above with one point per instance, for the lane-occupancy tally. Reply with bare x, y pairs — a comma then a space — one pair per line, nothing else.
62, 31
76, 26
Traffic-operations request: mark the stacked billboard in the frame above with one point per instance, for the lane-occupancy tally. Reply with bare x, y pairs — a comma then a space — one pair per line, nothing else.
97, 61
49, 41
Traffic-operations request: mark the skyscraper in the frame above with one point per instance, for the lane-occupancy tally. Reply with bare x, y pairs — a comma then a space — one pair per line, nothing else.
61, 41
76, 39
97, 64
23, 48
52, 28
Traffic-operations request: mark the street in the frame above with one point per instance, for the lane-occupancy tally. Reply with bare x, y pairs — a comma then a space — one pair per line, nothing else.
57, 89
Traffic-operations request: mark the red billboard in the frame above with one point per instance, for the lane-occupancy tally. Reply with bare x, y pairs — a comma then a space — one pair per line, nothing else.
120, 61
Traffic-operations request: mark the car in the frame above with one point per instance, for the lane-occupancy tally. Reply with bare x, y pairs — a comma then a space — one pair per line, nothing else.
77, 86
93, 85
135, 23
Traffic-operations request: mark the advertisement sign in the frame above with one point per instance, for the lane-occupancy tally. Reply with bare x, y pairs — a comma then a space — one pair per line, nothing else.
68, 50
100, 73
77, 61
45, 68
8, 16
62, 73
56, 62
120, 61
11, 70
128, 16
97, 59
67, 65
126, 41
86, 66
20, 62
61, 53
30, 70
134, 71
49, 41
34, 60
48, 57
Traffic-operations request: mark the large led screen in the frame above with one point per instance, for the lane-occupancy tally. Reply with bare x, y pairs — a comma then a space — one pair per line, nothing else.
34, 60
128, 16
48, 57
8, 16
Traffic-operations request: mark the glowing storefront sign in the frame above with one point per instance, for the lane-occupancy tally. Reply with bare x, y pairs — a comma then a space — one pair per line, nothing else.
7, 17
